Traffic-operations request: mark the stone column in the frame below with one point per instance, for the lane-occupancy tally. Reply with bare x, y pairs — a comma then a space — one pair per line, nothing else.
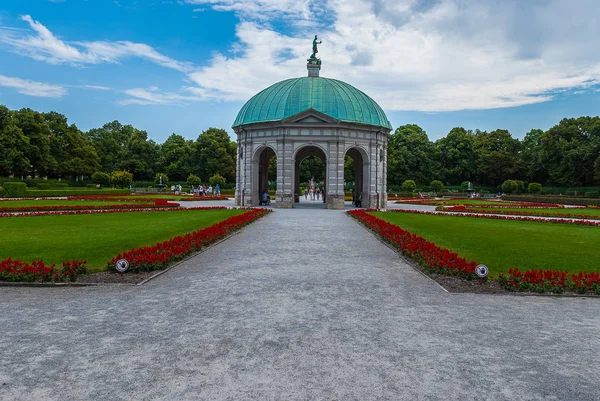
335, 182
285, 190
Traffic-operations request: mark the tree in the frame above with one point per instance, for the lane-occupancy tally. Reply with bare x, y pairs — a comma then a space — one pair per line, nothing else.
101, 178
410, 155
140, 156
409, 185
498, 157
217, 179
534, 187
193, 180
73, 151
349, 169
122, 178
38, 132
13, 145
534, 168
509, 186
312, 168
436, 185
569, 151
456, 156
175, 157
214, 153
110, 141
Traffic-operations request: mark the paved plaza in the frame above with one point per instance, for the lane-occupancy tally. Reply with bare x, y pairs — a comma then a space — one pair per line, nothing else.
301, 305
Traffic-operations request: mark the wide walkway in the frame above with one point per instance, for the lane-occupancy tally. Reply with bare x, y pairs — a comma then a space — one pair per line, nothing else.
302, 305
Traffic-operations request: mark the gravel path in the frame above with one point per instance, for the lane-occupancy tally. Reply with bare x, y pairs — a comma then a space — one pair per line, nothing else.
302, 305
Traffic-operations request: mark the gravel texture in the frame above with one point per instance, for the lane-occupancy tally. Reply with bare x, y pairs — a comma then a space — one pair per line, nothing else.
301, 305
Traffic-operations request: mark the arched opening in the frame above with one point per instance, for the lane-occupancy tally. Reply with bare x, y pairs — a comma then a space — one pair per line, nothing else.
310, 177
266, 171
356, 176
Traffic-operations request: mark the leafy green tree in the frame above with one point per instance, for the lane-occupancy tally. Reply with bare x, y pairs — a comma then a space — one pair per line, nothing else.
534, 187
569, 151
535, 169
38, 132
193, 180
214, 153
101, 178
436, 185
72, 150
312, 168
409, 185
349, 169
272, 173
217, 179
456, 156
411, 155
140, 156
597, 169
13, 146
510, 186
121, 178
110, 142
175, 157
498, 157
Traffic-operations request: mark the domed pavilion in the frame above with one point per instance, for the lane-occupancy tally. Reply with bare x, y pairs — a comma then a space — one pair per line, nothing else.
311, 116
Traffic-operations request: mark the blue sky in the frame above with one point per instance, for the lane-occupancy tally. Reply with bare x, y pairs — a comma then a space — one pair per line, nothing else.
185, 65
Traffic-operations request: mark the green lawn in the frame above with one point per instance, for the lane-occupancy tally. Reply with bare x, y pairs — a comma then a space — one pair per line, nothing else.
460, 202
551, 212
59, 202
97, 237
502, 245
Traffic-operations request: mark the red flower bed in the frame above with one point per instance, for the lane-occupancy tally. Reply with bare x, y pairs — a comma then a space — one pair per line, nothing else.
24, 209
468, 209
141, 198
159, 256
502, 217
519, 205
550, 281
428, 254
17, 270
72, 212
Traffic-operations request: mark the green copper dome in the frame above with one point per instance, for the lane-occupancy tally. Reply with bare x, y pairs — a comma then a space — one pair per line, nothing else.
334, 98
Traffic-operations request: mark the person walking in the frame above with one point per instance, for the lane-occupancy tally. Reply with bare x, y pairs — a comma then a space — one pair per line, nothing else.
217, 190
305, 193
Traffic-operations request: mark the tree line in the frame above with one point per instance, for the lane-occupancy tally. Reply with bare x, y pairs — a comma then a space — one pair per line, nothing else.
566, 155
46, 145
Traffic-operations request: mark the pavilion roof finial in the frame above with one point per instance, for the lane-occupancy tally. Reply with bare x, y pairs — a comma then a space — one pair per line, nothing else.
314, 64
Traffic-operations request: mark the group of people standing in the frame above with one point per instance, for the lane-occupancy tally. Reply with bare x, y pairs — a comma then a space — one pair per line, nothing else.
203, 190
313, 193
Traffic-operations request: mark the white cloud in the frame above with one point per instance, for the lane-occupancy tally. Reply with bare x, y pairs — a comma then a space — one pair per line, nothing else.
152, 95
427, 55
45, 46
266, 9
33, 88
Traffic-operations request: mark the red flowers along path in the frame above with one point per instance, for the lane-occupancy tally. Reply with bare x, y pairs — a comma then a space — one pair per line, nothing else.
162, 254
154, 257
443, 261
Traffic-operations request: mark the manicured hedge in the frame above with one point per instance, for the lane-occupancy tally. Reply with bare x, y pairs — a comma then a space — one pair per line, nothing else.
563, 200
15, 189
32, 193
